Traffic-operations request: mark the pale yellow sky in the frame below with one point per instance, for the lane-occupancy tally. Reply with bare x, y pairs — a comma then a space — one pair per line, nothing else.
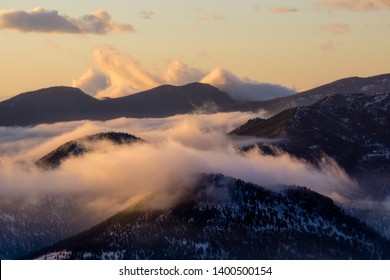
298, 43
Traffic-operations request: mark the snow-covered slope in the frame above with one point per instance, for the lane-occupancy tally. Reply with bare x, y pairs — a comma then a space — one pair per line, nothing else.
225, 218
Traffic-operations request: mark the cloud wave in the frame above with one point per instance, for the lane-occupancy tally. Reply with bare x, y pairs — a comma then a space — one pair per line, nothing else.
123, 75
179, 148
40, 20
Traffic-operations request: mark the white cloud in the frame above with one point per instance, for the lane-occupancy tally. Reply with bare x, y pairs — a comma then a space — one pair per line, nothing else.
40, 20
125, 75
92, 81
244, 89
179, 148
179, 73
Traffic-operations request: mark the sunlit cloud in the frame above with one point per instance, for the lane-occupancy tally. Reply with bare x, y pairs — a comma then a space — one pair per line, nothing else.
179, 73
178, 149
125, 74
118, 74
40, 20
355, 5
282, 10
244, 89
92, 81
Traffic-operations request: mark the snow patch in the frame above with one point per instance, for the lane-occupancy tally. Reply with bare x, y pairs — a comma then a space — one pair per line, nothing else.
61, 255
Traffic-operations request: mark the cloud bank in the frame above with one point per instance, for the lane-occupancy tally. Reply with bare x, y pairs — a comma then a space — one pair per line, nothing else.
118, 74
40, 20
179, 148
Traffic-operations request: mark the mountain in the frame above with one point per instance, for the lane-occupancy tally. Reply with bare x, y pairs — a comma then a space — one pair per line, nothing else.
27, 225
226, 218
80, 146
168, 100
29, 222
353, 129
374, 84
47, 106
70, 104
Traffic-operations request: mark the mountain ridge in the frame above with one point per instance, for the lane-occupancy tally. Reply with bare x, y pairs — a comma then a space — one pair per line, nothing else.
227, 218
372, 84
350, 129
80, 146
56, 104
164, 101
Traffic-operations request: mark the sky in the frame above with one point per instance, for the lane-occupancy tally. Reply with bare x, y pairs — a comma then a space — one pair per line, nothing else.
117, 47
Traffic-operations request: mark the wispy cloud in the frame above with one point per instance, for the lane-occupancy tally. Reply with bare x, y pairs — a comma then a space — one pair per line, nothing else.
40, 20
123, 73
337, 28
355, 5
146, 14
282, 10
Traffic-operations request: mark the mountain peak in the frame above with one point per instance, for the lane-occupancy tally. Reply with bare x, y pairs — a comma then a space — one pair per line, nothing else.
225, 218
83, 145
57, 104
53, 92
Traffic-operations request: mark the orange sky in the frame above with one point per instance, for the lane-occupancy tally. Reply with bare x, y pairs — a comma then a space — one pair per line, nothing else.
298, 44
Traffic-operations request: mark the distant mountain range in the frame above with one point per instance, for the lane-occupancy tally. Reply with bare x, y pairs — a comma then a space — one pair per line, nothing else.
374, 84
69, 104
225, 218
